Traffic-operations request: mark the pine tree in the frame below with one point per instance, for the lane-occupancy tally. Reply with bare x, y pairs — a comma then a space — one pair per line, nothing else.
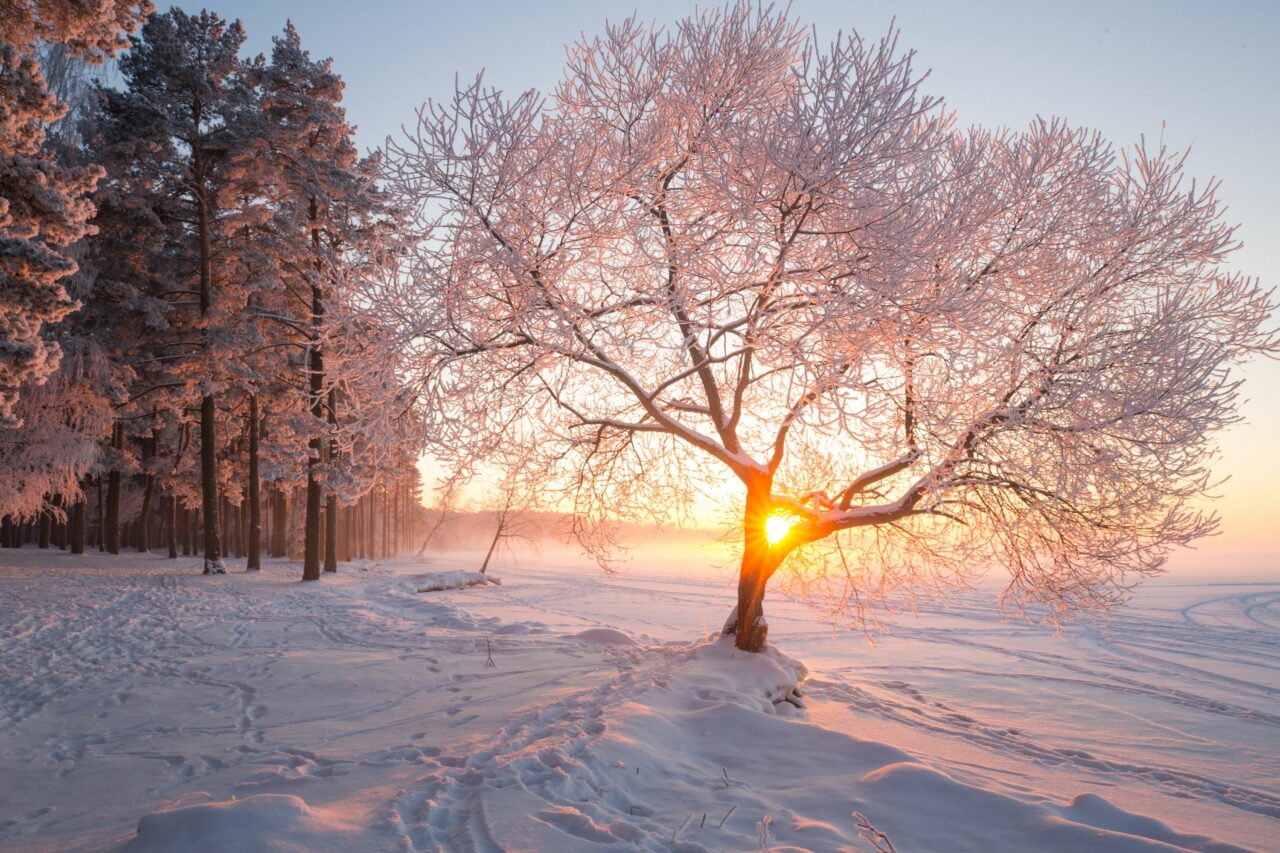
183, 106
310, 140
43, 209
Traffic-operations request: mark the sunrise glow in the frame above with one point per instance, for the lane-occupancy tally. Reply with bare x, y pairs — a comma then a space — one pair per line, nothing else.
778, 526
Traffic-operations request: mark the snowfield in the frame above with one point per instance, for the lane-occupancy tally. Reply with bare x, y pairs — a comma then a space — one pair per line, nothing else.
148, 708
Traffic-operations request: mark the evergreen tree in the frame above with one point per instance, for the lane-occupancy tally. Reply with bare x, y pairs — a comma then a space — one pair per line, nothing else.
184, 103
310, 141
43, 209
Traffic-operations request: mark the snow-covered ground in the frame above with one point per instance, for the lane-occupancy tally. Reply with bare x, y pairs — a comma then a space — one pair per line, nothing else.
147, 707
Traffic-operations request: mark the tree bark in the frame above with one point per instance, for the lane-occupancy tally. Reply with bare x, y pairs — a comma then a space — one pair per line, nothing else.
77, 526
255, 496
213, 564
46, 530
759, 562
64, 529
311, 540
279, 523
497, 535
311, 543
171, 524
148, 495
101, 529
144, 517
331, 505
111, 532
386, 523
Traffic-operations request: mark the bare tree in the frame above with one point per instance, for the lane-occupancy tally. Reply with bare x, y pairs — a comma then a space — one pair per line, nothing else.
443, 514
721, 248
509, 511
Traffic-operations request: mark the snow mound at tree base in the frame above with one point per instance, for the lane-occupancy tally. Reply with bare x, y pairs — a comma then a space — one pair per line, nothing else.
265, 823
438, 581
767, 681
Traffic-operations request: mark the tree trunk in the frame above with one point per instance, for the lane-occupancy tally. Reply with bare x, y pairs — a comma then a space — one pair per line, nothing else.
279, 523
398, 519
311, 533
213, 564
171, 524
386, 523
112, 530
311, 536
144, 517
148, 495
77, 525
497, 535
759, 562
46, 530
311, 543
98, 534
255, 497
61, 529
331, 505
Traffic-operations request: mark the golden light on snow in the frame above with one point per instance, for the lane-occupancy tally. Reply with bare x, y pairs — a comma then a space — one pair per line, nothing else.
777, 526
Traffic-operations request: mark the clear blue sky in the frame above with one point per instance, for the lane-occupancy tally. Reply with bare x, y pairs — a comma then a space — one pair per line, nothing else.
1210, 72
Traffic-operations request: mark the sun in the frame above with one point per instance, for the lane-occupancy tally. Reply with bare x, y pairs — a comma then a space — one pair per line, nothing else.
777, 526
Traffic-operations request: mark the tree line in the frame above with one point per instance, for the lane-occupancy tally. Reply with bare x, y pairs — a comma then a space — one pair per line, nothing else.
186, 360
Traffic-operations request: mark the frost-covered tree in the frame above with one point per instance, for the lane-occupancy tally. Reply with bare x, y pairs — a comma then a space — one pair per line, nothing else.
725, 248
181, 114
43, 208
329, 207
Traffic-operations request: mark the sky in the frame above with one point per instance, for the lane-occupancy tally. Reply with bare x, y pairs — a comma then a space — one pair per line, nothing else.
1205, 75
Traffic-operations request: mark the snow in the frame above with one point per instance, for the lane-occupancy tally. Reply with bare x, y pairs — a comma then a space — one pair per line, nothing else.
144, 707
438, 581
604, 637
266, 823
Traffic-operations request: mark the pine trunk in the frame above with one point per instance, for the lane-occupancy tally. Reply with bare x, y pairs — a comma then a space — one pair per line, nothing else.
279, 523
144, 517
255, 505
171, 524
331, 505
111, 531
98, 533
46, 530
213, 564
78, 516
148, 495
311, 543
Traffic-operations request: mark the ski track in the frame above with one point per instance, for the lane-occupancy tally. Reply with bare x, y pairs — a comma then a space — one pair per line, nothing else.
118, 637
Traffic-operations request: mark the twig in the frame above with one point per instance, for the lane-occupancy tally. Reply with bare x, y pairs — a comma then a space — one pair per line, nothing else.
489, 647
726, 815
680, 827
878, 839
